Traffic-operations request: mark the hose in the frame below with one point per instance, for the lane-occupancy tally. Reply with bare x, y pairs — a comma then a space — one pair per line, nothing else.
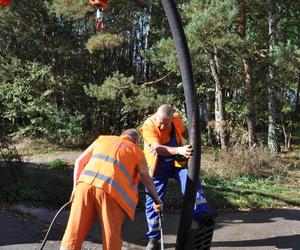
52, 222
193, 115
69, 202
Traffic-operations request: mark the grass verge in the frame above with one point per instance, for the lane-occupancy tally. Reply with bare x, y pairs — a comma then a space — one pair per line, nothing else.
236, 179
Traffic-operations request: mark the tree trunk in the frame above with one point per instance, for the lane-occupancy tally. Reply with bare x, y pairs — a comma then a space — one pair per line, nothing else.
209, 118
273, 88
297, 107
146, 62
250, 102
251, 123
285, 138
219, 99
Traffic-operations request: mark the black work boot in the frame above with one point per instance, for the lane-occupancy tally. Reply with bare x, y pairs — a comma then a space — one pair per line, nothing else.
153, 244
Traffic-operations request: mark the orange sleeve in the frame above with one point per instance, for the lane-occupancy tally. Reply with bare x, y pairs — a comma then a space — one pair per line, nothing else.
178, 123
80, 163
149, 132
141, 165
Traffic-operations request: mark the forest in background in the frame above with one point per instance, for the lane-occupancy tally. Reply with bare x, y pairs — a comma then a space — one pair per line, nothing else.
62, 81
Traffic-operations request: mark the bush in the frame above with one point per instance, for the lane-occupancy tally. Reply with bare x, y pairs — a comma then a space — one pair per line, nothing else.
104, 41
10, 165
9, 154
58, 164
240, 160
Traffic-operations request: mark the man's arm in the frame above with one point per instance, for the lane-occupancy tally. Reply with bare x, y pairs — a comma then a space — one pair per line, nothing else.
149, 185
159, 149
152, 144
80, 163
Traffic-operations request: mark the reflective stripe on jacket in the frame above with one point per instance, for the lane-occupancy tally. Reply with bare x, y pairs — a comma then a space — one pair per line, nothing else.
112, 167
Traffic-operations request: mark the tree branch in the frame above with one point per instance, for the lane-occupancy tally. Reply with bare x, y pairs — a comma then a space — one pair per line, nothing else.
158, 80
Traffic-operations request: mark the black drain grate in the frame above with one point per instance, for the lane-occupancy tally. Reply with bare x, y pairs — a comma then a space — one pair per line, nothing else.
200, 234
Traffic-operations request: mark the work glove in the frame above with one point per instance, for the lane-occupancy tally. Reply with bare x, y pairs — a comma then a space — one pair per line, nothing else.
158, 206
186, 151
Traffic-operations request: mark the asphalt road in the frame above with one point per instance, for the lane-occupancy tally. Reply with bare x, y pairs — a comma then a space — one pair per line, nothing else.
24, 228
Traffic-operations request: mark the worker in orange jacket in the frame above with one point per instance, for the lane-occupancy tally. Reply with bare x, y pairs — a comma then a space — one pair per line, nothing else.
163, 134
106, 186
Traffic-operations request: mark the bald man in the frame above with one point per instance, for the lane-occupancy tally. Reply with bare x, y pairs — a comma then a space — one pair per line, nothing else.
106, 186
163, 135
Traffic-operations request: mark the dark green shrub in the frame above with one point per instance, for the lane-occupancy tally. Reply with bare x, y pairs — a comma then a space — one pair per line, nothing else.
58, 164
11, 166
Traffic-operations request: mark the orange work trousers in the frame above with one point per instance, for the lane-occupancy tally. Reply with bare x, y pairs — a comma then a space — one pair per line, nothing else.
88, 203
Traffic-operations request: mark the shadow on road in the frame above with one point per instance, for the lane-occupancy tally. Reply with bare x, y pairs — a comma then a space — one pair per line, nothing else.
258, 216
280, 242
270, 228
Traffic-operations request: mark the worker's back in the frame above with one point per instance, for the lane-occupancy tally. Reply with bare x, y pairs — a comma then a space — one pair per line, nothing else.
113, 167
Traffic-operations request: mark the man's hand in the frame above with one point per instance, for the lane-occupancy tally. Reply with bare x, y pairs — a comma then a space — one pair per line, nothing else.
158, 206
186, 151
151, 149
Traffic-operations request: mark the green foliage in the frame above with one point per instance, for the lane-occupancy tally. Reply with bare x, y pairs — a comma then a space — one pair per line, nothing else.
112, 88
11, 167
58, 164
40, 186
52, 187
163, 53
31, 98
215, 24
236, 110
287, 54
135, 101
103, 41
247, 193
53, 88
71, 9
9, 154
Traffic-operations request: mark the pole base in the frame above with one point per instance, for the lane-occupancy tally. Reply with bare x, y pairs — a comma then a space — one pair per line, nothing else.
199, 236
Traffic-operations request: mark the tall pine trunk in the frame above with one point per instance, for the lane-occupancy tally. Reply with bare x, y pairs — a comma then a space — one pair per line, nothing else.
273, 86
251, 123
219, 99
146, 46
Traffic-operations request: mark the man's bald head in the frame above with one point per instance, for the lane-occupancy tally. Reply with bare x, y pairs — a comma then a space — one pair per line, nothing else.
164, 116
165, 111
133, 134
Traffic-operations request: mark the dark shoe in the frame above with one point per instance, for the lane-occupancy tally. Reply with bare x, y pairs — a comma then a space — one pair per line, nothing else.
153, 244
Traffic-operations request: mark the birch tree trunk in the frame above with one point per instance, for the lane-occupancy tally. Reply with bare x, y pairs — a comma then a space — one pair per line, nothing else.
273, 88
219, 99
146, 62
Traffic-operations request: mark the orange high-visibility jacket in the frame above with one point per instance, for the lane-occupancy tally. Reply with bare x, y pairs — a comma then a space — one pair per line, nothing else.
4, 3
152, 134
113, 168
